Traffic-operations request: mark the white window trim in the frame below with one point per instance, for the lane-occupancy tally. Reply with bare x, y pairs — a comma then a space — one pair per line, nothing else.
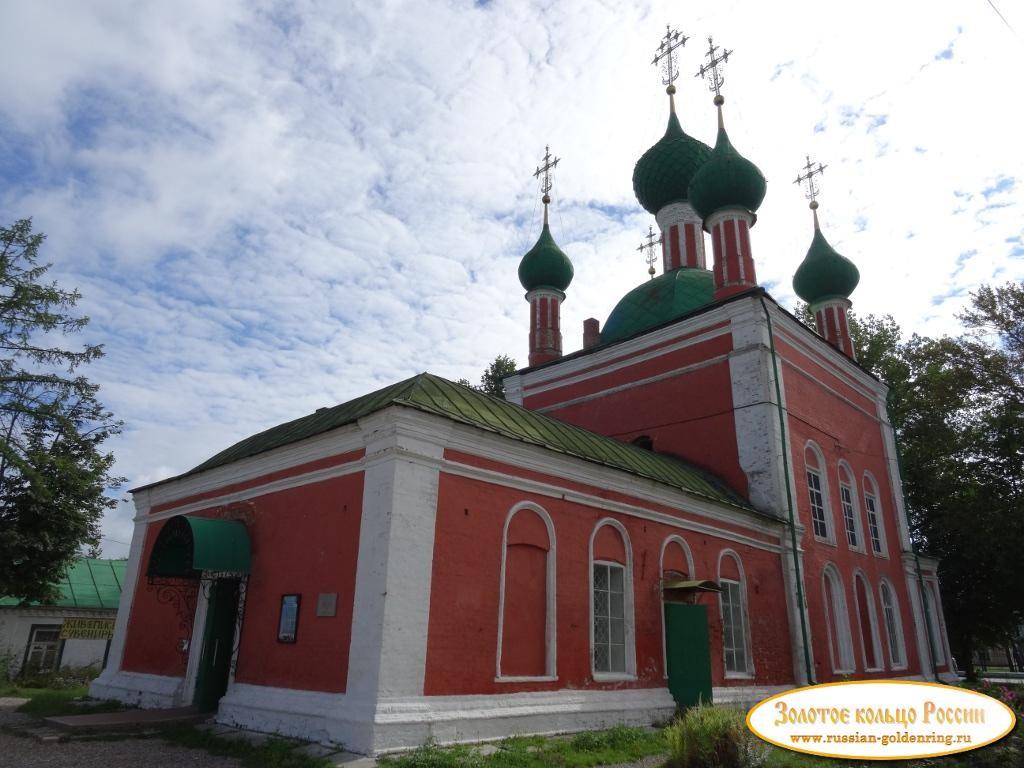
661, 571
551, 622
871, 489
826, 497
897, 624
872, 620
744, 609
837, 619
627, 601
848, 480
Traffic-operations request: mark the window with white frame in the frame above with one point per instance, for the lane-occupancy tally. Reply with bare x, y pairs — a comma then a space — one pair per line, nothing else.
817, 493
735, 622
838, 620
44, 648
846, 498
734, 628
893, 625
870, 645
609, 618
874, 513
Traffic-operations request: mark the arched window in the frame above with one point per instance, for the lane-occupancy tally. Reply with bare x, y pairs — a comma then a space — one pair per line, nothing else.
735, 623
873, 508
893, 625
870, 646
848, 500
613, 653
526, 605
840, 645
817, 493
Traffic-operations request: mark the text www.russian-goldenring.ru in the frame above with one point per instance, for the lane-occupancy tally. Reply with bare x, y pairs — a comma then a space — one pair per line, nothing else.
885, 740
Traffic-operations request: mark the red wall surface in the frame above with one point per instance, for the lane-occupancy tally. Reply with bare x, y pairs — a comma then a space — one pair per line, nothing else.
844, 425
688, 414
462, 639
304, 540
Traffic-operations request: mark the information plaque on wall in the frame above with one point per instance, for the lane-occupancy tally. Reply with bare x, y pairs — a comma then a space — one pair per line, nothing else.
87, 629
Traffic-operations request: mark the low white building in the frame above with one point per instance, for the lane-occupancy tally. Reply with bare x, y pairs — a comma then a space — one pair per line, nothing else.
74, 631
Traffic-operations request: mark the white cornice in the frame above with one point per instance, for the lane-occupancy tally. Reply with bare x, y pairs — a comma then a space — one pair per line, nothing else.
338, 441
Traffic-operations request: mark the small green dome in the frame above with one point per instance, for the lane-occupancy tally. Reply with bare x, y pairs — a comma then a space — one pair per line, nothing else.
544, 265
726, 180
662, 175
659, 301
824, 273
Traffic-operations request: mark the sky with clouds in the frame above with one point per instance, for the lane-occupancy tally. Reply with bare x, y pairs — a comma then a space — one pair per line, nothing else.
275, 206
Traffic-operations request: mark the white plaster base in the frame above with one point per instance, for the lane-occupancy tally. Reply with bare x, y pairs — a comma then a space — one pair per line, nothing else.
138, 689
403, 723
745, 696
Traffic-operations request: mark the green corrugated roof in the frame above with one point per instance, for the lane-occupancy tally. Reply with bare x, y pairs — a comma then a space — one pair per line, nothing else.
87, 583
432, 394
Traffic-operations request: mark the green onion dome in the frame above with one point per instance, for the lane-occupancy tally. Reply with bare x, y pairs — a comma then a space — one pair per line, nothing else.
659, 301
662, 175
726, 180
544, 265
824, 274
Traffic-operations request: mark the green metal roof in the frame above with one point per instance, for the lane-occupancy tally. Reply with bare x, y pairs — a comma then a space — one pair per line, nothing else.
659, 301
545, 265
726, 180
432, 394
87, 583
662, 174
824, 273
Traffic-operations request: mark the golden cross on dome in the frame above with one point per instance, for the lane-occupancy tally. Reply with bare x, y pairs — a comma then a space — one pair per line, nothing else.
808, 178
649, 248
711, 71
545, 171
666, 55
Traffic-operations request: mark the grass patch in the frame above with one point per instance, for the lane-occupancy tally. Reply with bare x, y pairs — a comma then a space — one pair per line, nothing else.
583, 750
272, 753
50, 702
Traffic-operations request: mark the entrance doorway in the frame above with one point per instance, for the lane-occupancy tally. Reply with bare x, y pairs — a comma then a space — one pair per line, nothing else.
688, 654
217, 648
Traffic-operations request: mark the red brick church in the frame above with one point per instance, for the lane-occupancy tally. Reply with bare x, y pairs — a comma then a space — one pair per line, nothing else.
702, 503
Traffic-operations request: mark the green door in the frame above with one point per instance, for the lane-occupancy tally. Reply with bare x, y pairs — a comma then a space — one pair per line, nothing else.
688, 654
215, 658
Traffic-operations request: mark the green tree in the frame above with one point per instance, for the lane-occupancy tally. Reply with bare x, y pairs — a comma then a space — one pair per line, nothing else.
492, 379
53, 475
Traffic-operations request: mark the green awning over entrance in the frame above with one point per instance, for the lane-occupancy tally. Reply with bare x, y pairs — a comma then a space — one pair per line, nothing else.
187, 546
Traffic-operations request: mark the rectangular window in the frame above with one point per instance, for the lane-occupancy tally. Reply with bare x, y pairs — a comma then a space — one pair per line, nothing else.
873, 526
44, 648
609, 618
849, 517
288, 623
817, 505
734, 628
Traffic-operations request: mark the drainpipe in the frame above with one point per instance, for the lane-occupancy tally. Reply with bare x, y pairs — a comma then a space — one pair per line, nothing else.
913, 546
789, 499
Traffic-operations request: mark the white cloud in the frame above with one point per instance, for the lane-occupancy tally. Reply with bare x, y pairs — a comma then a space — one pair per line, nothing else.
271, 207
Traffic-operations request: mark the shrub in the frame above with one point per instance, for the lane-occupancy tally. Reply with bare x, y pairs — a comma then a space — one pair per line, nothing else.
714, 737
59, 679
